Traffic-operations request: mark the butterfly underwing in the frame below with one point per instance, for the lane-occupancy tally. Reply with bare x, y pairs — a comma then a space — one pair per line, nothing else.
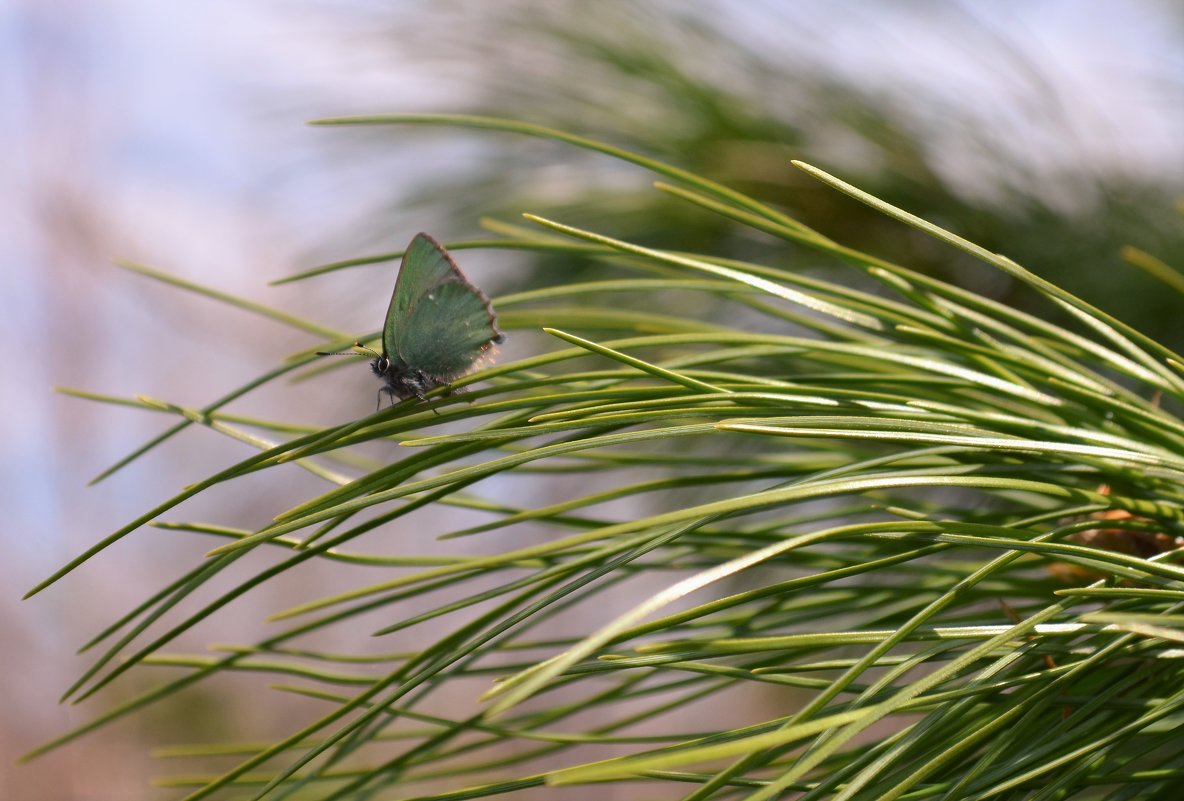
437, 325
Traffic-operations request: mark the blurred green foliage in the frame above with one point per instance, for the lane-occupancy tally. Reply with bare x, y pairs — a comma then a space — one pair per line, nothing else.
673, 82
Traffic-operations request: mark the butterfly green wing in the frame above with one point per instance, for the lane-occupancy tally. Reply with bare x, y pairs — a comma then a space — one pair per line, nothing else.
438, 322
425, 266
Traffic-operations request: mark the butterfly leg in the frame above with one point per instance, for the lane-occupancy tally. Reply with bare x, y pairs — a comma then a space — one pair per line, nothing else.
418, 383
390, 395
423, 399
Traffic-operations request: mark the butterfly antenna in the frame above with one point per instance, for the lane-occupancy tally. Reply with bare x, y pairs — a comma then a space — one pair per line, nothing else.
350, 352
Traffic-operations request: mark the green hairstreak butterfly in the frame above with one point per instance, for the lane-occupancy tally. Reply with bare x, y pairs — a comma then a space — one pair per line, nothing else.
437, 326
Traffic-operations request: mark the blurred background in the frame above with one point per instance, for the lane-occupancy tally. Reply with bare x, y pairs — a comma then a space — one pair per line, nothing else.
174, 135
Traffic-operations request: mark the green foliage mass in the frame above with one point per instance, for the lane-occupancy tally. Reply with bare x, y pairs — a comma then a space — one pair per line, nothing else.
741, 532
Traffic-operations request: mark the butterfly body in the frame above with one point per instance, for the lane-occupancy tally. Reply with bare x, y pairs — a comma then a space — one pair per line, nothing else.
400, 381
437, 327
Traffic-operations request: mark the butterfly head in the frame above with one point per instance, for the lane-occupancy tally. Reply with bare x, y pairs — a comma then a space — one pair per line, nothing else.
381, 365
